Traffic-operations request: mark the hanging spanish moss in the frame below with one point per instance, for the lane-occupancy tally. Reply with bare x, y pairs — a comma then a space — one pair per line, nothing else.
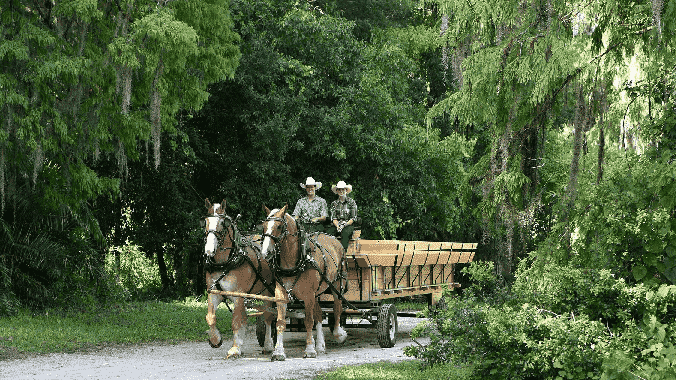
155, 114
657, 16
2, 180
38, 159
444, 49
122, 160
458, 58
125, 77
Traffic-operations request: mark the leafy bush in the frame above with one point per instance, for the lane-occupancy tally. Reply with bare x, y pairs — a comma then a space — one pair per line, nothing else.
556, 322
137, 275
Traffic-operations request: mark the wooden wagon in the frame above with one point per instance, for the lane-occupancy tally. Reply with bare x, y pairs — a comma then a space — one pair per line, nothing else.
378, 270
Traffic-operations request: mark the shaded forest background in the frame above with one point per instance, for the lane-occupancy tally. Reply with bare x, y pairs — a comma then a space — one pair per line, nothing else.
542, 129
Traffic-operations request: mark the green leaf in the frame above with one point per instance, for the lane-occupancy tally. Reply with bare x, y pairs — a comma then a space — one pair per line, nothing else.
639, 272
670, 250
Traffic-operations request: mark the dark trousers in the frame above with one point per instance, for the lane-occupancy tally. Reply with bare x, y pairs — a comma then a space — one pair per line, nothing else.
313, 227
344, 235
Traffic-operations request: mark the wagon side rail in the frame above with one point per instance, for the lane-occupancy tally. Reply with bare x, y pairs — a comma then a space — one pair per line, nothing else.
380, 269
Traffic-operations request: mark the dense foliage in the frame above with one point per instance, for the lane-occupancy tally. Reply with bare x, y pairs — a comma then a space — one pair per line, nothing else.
86, 85
542, 129
556, 322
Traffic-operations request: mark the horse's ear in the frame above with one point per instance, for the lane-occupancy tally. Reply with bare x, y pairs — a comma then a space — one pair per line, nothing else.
223, 204
266, 210
207, 203
286, 205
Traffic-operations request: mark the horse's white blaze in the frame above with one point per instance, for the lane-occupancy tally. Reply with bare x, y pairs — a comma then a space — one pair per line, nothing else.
217, 206
210, 246
212, 223
268, 231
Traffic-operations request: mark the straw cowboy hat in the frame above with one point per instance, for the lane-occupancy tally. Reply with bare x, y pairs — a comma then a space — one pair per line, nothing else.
341, 185
311, 182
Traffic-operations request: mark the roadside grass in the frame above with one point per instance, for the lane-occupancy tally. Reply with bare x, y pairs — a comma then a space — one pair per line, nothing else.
167, 322
128, 323
408, 370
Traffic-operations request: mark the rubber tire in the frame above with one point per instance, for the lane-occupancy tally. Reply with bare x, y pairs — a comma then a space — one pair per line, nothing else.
387, 326
260, 332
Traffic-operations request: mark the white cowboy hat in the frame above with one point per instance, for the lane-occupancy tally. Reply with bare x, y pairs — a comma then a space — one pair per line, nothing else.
311, 182
341, 185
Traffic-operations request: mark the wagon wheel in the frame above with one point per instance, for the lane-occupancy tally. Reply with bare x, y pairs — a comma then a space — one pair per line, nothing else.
260, 332
387, 326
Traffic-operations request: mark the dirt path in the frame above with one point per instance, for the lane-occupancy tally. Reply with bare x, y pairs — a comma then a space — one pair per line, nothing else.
197, 360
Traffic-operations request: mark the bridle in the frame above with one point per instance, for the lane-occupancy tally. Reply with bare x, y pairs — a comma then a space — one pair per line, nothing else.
284, 227
303, 262
272, 256
237, 257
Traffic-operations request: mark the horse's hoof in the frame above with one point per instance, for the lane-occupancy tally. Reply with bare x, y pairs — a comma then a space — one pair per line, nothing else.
340, 335
220, 342
234, 354
311, 354
278, 358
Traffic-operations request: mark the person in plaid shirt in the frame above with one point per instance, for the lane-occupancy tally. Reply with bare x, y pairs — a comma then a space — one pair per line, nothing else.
311, 210
343, 214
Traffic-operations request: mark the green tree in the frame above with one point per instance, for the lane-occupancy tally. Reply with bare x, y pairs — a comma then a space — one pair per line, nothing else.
529, 70
312, 97
87, 81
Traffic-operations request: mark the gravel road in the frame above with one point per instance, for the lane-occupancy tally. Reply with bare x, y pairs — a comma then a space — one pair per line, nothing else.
197, 360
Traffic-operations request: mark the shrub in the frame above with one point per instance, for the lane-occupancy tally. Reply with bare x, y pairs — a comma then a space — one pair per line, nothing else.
556, 322
137, 275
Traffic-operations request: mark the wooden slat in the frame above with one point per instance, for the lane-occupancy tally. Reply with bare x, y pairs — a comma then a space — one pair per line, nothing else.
377, 246
465, 257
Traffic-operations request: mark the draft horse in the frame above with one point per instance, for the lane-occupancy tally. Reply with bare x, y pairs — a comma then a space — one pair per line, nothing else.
303, 268
233, 263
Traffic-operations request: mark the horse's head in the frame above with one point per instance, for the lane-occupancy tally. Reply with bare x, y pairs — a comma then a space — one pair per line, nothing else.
275, 228
217, 228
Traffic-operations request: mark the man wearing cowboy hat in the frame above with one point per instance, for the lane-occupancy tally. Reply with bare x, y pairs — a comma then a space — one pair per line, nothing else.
311, 210
343, 213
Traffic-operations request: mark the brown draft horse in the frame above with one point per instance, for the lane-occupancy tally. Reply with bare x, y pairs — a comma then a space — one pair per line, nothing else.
296, 275
237, 267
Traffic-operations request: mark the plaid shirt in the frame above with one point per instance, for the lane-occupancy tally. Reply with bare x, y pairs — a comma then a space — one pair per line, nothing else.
309, 209
344, 211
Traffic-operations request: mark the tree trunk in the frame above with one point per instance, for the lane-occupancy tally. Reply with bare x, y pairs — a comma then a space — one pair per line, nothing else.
162, 266
602, 146
578, 136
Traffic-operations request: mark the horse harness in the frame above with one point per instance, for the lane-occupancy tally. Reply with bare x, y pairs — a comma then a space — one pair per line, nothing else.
305, 260
237, 256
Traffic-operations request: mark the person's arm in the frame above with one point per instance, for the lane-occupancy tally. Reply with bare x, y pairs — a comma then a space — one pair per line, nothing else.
296, 210
334, 218
353, 213
324, 211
